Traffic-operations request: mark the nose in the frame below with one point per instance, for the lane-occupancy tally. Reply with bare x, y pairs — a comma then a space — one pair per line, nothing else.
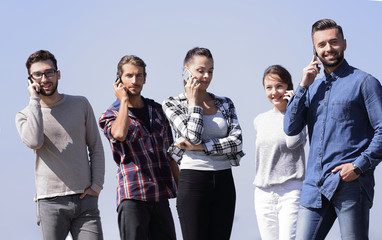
43, 78
328, 47
273, 91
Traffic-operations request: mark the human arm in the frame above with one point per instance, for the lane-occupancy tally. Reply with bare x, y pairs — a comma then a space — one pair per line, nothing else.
174, 169
295, 117
372, 96
232, 143
29, 123
95, 151
186, 121
293, 142
120, 125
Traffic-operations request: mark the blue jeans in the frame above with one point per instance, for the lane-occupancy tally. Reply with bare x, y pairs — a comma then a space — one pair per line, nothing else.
139, 220
349, 203
58, 216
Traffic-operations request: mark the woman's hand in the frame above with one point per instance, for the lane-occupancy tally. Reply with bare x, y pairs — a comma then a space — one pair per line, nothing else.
191, 88
186, 145
288, 94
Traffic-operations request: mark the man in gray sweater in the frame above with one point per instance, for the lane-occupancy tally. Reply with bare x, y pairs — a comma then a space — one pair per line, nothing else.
70, 164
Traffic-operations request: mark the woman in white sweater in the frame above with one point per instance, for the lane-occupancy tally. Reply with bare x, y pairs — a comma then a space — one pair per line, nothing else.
280, 161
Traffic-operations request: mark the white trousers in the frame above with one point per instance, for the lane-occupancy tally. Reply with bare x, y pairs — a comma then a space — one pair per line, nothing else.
276, 210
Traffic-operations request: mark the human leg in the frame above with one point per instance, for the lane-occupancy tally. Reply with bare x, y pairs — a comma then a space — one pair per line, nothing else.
133, 219
86, 225
266, 214
222, 206
161, 222
54, 217
289, 201
353, 208
193, 203
315, 223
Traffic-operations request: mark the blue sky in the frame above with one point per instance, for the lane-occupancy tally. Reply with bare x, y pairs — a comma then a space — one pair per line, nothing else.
89, 37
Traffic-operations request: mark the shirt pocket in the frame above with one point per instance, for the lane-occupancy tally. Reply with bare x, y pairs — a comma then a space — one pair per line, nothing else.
159, 127
133, 133
340, 111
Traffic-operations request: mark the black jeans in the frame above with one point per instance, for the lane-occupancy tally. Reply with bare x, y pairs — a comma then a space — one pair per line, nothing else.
206, 204
138, 220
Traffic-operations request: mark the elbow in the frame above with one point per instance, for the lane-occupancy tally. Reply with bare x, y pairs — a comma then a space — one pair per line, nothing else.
120, 136
34, 145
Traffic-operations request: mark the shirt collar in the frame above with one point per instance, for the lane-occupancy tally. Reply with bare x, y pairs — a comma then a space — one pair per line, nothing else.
338, 72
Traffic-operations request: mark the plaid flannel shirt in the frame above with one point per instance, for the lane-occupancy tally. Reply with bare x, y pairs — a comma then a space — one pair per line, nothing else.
187, 122
143, 162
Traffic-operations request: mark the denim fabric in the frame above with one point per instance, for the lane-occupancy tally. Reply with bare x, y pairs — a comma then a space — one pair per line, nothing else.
58, 216
276, 210
343, 112
349, 203
139, 220
206, 204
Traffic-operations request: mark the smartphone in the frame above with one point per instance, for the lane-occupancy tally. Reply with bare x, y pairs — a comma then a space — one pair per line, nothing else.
186, 74
316, 55
118, 78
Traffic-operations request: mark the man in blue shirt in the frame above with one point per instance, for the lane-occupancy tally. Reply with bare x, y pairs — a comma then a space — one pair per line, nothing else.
343, 113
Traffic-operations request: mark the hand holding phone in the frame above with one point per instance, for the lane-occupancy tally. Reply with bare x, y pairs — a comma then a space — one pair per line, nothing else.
120, 91
309, 73
33, 88
288, 94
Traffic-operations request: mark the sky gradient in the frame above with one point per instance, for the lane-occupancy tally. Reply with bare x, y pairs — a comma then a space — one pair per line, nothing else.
88, 39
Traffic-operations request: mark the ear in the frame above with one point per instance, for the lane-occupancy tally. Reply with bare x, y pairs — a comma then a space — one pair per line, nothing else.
344, 44
58, 74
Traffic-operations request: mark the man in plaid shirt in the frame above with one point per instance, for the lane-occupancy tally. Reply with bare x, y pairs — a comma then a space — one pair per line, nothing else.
139, 135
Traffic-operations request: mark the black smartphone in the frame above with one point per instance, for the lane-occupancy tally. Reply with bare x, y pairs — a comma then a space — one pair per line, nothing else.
118, 78
316, 55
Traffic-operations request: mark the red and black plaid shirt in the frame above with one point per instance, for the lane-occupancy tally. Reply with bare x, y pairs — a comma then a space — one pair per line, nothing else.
143, 162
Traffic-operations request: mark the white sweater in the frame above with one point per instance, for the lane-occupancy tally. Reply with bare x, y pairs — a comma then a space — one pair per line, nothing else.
279, 158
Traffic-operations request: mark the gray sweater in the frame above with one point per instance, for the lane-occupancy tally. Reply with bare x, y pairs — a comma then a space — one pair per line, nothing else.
279, 158
67, 145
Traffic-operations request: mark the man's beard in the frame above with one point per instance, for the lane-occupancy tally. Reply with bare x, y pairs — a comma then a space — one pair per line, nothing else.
54, 89
334, 63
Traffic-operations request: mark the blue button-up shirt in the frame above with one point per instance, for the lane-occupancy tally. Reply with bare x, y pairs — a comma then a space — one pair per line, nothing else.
343, 112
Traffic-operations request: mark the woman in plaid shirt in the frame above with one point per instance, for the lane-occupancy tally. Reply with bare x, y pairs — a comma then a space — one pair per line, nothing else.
208, 142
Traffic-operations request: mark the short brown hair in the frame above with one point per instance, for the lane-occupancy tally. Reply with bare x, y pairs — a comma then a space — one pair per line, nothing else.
131, 59
282, 73
40, 55
325, 24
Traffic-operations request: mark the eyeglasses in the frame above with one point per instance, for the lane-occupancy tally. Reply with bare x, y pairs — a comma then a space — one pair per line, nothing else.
38, 75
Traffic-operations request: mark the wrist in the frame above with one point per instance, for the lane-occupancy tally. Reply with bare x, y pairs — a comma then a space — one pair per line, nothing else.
357, 170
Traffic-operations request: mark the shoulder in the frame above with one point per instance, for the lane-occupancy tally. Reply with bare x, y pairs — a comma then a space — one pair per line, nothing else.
180, 100
265, 115
76, 99
155, 105
226, 102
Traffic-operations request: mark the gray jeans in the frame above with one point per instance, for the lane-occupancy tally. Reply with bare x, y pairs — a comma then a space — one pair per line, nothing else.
58, 216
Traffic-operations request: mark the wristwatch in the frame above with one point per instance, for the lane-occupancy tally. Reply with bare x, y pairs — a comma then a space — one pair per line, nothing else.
357, 170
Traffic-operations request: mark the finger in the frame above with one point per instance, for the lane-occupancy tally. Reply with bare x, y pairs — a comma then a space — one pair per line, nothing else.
82, 195
336, 169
